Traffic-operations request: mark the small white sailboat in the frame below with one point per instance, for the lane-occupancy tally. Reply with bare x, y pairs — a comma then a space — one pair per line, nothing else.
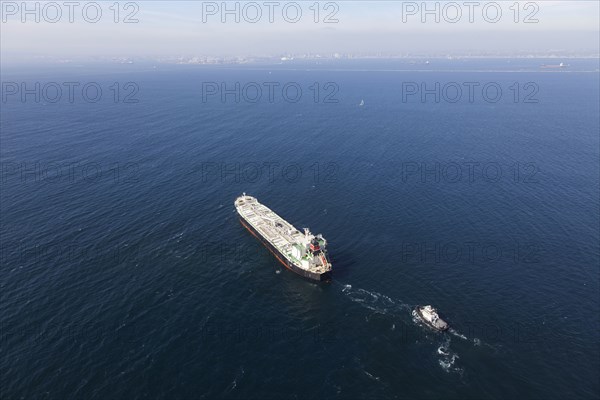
362, 103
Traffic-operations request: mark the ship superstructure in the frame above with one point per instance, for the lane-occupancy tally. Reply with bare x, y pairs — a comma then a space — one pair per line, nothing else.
302, 252
429, 316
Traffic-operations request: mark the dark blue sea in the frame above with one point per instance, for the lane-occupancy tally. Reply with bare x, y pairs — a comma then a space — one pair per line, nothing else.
471, 185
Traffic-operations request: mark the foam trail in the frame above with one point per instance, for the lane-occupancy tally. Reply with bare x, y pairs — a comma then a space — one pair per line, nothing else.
476, 341
233, 384
447, 357
457, 334
375, 301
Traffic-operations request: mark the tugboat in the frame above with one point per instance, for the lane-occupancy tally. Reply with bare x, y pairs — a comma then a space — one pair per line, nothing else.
430, 317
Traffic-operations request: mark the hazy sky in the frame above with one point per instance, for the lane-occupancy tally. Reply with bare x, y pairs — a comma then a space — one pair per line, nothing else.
188, 28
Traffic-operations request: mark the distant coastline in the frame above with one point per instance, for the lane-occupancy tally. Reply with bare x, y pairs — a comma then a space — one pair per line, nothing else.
285, 58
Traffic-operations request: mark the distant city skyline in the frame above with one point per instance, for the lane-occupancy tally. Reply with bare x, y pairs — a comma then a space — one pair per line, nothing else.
196, 29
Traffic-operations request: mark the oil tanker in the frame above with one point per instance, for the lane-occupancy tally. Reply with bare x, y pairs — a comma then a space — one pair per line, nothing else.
303, 253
